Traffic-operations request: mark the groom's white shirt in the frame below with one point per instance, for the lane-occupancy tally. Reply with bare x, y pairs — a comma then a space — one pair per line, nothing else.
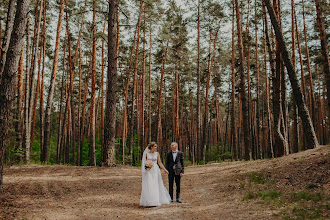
174, 153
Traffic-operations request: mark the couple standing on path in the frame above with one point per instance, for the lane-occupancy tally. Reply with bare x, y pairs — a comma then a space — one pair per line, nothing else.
154, 193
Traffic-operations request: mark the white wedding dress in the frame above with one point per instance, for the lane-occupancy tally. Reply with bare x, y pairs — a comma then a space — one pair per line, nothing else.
153, 191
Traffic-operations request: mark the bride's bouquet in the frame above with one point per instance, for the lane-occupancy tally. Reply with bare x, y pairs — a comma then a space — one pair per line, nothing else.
148, 165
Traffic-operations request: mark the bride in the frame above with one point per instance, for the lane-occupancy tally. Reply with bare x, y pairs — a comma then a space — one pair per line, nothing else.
153, 191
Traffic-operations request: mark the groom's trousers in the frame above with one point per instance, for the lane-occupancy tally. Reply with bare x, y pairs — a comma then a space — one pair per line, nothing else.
171, 177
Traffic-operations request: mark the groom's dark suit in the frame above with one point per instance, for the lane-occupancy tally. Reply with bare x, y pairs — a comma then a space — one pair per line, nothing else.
174, 168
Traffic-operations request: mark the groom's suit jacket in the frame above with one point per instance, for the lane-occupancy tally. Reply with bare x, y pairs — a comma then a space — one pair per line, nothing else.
176, 166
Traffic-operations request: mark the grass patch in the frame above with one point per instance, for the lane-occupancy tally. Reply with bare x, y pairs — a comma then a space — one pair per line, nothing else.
248, 196
259, 178
315, 197
271, 194
306, 213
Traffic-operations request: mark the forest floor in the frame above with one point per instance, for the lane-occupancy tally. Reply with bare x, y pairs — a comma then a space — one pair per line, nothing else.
291, 187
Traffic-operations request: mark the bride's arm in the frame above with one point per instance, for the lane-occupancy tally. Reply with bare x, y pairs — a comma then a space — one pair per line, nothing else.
160, 163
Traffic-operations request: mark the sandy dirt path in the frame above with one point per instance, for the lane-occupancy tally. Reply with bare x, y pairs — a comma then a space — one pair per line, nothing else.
66, 192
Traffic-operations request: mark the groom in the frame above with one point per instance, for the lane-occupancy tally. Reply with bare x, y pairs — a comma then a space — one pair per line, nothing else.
175, 167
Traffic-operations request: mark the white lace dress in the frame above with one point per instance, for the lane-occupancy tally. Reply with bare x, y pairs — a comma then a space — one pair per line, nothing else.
153, 191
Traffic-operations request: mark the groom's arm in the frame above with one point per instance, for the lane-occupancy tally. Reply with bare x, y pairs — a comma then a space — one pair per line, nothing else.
167, 162
182, 162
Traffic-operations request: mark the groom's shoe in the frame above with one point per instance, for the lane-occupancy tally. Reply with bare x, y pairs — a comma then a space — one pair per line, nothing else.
178, 200
171, 200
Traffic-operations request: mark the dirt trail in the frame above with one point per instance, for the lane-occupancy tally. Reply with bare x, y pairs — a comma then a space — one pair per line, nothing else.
65, 192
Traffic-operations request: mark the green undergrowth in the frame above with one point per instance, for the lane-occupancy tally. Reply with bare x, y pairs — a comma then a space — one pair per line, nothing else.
309, 202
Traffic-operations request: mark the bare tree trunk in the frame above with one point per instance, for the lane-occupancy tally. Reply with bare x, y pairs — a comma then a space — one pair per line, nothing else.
198, 144
26, 136
159, 118
79, 158
233, 118
258, 136
92, 115
9, 76
41, 102
19, 118
242, 85
70, 96
303, 111
206, 109
134, 91
52, 87
324, 49
311, 87
149, 96
8, 31
110, 117
102, 94
59, 136
272, 67
142, 93
295, 109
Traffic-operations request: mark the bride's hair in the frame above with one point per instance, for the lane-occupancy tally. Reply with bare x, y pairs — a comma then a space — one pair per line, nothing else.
151, 144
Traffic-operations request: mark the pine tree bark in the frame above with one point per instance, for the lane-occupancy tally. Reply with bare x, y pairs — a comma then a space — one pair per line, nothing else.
8, 31
232, 113
303, 111
26, 135
198, 112
258, 136
52, 87
19, 117
295, 109
324, 48
159, 118
41, 102
92, 161
149, 95
247, 146
71, 72
134, 91
311, 87
9, 76
110, 116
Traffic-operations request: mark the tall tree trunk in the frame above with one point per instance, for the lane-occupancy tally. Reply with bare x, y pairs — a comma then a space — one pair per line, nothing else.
124, 121
79, 158
311, 87
52, 87
102, 93
247, 146
159, 118
198, 116
232, 113
8, 31
26, 137
33, 108
303, 111
258, 136
295, 109
206, 109
70, 96
19, 118
110, 116
324, 49
149, 95
134, 91
92, 161
9, 76
142, 93
41, 102
60, 135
